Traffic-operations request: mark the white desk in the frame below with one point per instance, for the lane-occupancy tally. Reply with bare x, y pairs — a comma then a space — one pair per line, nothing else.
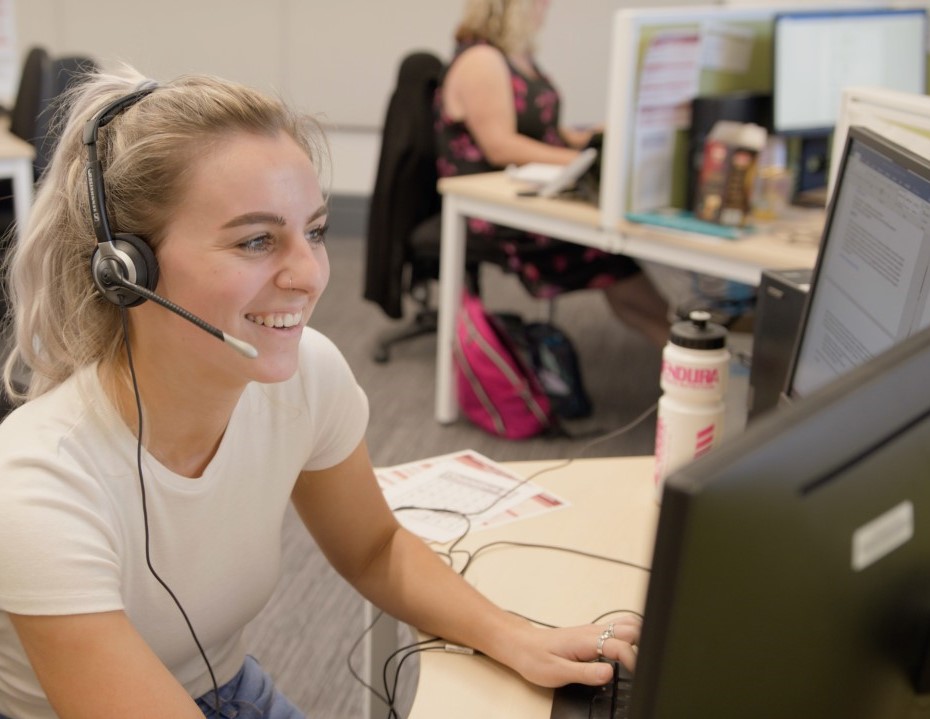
613, 513
16, 157
493, 197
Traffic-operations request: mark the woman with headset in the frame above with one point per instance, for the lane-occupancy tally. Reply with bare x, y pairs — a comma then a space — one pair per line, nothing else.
145, 476
496, 107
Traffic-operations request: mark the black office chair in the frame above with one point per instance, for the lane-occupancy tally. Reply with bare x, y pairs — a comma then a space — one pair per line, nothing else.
404, 216
66, 72
29, 117
35, 92
42, 82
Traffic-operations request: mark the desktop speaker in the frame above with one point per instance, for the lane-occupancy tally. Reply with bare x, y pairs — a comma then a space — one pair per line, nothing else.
779, 304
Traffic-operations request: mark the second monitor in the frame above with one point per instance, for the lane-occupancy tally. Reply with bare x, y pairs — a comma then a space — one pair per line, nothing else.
815, 55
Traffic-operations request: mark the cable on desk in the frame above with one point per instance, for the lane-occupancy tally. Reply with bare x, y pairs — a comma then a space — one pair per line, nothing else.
550, 547
465, 516
425, 645
388, 697
390, 687
420, 646
447, 554
584, 448
352, 651
410, 650
603, 616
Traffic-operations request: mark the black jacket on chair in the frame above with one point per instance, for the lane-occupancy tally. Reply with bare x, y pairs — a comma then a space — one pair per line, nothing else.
405, 192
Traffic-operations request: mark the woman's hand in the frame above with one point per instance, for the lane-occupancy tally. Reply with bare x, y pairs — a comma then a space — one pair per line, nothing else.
553, 657
579, 137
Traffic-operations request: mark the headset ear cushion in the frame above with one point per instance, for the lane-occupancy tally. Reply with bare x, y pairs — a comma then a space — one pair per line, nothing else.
135, 262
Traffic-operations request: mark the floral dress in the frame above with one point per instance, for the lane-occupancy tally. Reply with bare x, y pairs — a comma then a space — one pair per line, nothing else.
546, 266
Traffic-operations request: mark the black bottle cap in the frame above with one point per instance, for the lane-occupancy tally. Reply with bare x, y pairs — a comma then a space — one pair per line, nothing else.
698, 332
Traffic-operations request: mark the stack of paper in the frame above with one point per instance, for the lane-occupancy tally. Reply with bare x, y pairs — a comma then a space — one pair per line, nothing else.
431, 496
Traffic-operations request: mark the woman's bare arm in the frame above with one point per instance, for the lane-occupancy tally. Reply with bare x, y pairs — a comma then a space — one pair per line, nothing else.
97, 666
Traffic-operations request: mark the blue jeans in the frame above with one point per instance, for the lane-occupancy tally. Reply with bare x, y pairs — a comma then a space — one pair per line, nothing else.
249, 695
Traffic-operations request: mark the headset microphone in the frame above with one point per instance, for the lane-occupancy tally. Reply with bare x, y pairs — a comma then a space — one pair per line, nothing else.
110, 276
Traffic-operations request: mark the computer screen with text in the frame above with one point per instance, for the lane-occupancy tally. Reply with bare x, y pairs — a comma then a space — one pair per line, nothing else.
870, 285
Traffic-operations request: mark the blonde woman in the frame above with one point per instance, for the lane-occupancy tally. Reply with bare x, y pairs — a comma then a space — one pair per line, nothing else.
144, 479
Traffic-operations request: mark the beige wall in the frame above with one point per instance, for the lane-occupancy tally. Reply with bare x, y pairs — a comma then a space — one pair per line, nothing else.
334, 58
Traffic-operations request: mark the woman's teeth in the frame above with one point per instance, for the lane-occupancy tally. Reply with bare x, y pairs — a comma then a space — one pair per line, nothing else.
278, 320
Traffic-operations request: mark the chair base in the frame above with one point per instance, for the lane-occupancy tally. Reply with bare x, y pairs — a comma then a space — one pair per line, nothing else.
425, 322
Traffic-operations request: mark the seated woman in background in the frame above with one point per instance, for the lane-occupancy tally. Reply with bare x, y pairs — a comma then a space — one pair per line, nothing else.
496, 108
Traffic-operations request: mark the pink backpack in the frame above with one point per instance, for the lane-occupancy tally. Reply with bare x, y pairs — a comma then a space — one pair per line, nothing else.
496, 389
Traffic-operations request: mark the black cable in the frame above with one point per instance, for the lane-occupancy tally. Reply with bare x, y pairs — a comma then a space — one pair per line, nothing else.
603, 616
584, 448
448, 554
562, 465
389, 695
392, 714
553, 548
145, 513
390, 688
566, 462
409, 650
352, 651
465, 516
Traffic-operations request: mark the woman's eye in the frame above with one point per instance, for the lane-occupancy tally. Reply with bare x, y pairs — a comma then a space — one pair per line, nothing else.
256, 244
317, 235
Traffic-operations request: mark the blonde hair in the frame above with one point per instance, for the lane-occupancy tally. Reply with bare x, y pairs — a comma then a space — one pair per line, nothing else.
60, 322
506, 24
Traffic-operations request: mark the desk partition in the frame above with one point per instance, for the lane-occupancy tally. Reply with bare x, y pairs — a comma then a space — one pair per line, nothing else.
661, 59
710, 50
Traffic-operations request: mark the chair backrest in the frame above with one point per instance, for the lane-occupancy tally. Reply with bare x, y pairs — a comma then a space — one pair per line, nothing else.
35, 92
41, 82
71, 70
404, 194
66, 73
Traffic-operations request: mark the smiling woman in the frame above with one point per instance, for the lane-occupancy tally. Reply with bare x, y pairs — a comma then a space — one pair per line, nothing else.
248, 272
145, 476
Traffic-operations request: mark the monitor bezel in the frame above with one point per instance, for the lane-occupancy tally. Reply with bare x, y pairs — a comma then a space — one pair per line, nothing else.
899, 155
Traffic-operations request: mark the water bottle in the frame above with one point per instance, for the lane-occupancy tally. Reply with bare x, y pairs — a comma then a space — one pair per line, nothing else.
695, 369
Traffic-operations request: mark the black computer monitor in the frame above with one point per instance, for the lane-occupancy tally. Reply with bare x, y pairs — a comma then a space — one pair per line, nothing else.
791, 570
815, 55
871, 284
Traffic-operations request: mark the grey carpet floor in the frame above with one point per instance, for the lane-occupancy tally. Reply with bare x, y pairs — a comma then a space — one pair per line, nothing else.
304, 634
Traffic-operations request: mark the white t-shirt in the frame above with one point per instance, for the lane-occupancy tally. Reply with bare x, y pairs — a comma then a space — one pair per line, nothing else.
71, 526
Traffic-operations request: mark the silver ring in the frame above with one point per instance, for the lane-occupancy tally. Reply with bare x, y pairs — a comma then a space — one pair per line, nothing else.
604, 636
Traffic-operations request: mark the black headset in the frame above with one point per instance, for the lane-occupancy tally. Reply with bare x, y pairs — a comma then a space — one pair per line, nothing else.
122, 255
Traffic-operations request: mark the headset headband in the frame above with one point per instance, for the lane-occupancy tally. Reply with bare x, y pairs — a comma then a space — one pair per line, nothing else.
94, 172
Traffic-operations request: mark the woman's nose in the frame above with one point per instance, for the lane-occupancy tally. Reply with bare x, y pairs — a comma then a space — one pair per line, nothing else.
306, 268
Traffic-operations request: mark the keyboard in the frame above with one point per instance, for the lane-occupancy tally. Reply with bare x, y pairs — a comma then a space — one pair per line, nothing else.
610, 701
